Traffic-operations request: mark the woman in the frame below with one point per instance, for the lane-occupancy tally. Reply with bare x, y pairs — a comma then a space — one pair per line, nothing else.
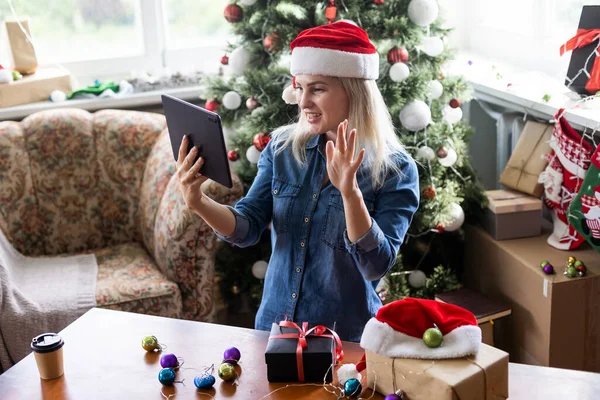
338, 215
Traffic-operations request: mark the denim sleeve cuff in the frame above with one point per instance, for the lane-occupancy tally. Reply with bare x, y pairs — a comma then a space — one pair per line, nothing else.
369, 241
242, 226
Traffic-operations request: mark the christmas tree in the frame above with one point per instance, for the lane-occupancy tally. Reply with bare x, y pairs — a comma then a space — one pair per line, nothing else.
424, 102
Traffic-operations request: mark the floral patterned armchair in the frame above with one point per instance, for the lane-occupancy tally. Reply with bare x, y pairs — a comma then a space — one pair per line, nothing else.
76, 182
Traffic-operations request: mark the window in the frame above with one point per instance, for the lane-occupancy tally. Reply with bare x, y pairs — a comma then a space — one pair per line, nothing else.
110, 39
525, 34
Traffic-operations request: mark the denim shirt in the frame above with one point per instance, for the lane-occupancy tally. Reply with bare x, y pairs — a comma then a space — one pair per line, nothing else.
315, 273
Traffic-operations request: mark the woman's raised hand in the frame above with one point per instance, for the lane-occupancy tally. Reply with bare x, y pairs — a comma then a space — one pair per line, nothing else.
341, 164
189, 176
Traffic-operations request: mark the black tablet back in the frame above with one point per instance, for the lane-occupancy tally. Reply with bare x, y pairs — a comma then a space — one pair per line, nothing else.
204, 131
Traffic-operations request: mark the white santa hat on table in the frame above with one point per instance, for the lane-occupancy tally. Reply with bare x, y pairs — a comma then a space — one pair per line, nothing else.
340, 49
397, 332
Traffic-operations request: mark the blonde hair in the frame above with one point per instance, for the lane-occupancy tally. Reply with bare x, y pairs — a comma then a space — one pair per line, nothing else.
369, 114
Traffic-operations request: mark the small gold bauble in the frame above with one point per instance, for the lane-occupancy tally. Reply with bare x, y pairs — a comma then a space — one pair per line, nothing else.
226, 372
571, 260
149, 343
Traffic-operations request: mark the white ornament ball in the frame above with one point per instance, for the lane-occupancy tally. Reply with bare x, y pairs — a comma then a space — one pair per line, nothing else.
415, 116
450, 158
6, 76
232, 100
239, 60
435, 89
58, 96
399, 72
432, 46
451, 115
423, 12
252, 154
425, 153
417, 279
259, 269
457, 216
289, 95
248, 2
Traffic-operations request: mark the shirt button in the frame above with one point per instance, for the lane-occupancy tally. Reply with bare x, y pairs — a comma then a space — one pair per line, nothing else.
302, 244
294, 295
314, 195
298, 270
275, 191
305, 219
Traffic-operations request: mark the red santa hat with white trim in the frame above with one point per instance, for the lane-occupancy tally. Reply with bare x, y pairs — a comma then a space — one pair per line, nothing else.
339, 49
398, 328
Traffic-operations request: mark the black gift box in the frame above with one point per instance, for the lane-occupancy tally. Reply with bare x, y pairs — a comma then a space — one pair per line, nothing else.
590, 19
318, 357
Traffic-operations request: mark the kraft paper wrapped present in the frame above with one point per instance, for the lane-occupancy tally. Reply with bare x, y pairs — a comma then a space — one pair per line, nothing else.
23, 53
480, 377
35, 87
431, 350
512, 215
527, 160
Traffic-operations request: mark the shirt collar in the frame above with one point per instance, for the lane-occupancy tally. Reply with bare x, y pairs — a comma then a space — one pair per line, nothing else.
313, 141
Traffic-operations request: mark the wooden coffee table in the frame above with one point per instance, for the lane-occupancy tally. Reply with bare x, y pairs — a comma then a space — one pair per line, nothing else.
104, 360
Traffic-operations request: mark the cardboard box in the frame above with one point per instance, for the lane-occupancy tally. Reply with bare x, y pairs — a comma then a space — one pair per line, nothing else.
481, 377
318, 357
554, 318
35, 87
527, 160
511, 215
486, 311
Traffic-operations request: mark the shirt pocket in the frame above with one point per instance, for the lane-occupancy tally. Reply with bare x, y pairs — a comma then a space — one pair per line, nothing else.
335, 221
284, 195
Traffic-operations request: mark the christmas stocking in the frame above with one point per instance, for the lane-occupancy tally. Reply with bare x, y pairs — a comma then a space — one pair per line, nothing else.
562, 179
584, 211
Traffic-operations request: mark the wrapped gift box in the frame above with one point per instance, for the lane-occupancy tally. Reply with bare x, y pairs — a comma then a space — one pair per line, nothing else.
318, 357
480, 377
511, 215
583, 56
554, 320
527, 160
35, 87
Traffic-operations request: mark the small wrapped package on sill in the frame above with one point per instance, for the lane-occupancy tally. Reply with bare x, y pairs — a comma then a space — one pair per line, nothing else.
35, 87
512, 215
296, 353
431, 350
527, 160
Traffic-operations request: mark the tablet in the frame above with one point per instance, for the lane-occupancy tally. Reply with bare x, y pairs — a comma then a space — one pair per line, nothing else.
204, 131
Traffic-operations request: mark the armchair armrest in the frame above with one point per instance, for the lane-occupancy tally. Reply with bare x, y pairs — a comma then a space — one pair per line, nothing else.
181, 243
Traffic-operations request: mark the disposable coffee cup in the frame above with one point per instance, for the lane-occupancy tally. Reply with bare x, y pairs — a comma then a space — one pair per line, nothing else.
48, 351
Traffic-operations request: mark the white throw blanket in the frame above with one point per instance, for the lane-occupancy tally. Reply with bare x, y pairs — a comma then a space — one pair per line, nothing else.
40, 294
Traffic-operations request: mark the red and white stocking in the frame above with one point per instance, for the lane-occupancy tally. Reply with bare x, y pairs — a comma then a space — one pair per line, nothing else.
562, 179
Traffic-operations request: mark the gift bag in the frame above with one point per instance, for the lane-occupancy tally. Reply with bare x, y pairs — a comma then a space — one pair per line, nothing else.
527, 160
23, 53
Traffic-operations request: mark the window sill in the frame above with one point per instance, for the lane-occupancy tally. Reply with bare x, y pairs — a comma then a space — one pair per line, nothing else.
522, 91
130, 101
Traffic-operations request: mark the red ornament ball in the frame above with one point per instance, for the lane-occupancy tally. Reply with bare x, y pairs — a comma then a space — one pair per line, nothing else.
429, 193
442, 152
212, 105
225, 60
440, 227
270, 42
454, 103
252, 103
260, 141
378, 2
233, 155
397, 54
233, 13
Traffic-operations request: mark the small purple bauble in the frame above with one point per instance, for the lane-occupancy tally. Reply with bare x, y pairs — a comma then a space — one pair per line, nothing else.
392, 397
232, 355
169, 361
548, 269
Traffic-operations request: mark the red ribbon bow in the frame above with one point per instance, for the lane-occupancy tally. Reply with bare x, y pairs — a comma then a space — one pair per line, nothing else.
583, 38
303, 332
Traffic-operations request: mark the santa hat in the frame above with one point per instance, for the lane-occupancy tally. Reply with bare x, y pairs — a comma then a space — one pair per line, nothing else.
397, 331
340, 49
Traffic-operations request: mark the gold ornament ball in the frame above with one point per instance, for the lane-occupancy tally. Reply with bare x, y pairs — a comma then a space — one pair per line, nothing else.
149, 343
433, 337
226, 372
571, 261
